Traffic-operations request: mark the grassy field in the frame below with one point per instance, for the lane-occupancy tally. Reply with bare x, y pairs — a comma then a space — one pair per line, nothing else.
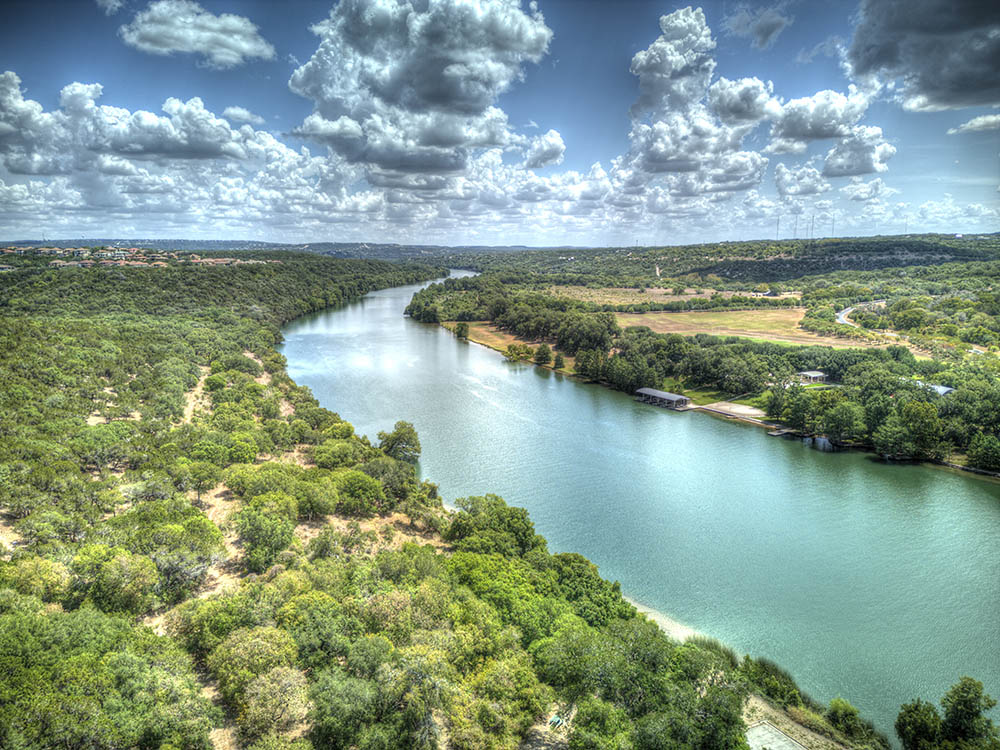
483, 332
781, 325
621, 296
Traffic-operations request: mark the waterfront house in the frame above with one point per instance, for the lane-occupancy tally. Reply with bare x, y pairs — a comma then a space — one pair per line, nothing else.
812, 376
662, 398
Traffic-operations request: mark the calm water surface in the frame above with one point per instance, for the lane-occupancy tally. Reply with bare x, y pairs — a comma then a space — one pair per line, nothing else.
878, 583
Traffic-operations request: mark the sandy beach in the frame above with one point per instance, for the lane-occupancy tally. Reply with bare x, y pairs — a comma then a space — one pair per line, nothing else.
676, 630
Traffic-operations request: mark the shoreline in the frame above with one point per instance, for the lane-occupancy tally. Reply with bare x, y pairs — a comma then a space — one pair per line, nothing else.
673, 628
981, 474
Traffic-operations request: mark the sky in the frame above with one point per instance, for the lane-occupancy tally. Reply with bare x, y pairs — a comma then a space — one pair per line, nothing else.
498, 122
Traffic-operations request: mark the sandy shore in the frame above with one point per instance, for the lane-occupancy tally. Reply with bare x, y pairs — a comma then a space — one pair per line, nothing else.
676, 630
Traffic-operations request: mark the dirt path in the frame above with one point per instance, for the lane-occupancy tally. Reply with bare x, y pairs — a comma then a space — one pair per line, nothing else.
195, 399
8, 537
265, 377
219, 505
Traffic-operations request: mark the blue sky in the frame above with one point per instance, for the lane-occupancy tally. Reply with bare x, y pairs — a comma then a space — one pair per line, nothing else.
495, 122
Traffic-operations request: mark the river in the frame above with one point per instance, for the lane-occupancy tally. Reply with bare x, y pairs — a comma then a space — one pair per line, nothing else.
875, 582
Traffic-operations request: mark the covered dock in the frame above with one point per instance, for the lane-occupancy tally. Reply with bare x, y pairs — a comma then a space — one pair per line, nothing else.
662, 398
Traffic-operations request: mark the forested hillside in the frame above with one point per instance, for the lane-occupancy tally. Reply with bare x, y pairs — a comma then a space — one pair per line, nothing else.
884, 400
197, 555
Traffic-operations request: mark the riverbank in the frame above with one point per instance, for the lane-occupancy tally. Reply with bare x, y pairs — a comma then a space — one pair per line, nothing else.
485, 334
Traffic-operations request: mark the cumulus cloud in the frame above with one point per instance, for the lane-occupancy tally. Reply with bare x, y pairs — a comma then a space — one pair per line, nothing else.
864, 151
110, 7
414, 88
242, 114
169, 26
977, 124
745, 100
825, 114
545, 150
875, 190
802, 181
675, 70
945, 53
761, 25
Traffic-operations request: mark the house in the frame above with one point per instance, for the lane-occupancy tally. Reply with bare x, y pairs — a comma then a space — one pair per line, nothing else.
941, 390
812, 376
662, 398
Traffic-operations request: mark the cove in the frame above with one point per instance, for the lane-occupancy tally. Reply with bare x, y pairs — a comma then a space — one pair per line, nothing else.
875, 582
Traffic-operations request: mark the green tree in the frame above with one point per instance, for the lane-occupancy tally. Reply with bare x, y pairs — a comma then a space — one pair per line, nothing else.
559, 362
844, 422
204, 476
543, 354
599, 725
273, 703
402, 443
125, 583
984, 452
248, 653
360, 494
965, 706
462, 330
918, 726
265, 536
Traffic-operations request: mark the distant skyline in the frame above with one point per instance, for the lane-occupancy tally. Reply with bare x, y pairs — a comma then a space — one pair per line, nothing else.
494, 122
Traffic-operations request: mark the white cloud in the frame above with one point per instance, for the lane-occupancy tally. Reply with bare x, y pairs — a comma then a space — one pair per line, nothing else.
110, 7
242, 114
864, 151
675, 70
545, 150
977, 124
875, 190
169, 26
802, 181
762, 25
414, 89
825, 114
745, 100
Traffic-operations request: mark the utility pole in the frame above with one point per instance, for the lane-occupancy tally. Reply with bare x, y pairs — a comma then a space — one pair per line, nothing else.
833, 226
795, 232
777, 233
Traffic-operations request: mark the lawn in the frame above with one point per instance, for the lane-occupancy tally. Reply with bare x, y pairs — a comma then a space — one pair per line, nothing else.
778, 325
485, 333
623, 296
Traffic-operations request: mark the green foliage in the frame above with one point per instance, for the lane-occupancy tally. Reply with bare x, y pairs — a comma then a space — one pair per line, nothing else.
487, 525
248, 653
543, 354
264, 536
360, 494
402, 443
86, 679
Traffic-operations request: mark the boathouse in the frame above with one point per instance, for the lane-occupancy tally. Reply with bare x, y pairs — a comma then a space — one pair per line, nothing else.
661, 398
812, 376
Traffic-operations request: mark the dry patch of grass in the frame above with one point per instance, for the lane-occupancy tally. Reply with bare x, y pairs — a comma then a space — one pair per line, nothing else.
485, 333
780, 325
625, 296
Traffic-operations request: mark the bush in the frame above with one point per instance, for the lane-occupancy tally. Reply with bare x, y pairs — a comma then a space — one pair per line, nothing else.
360, 494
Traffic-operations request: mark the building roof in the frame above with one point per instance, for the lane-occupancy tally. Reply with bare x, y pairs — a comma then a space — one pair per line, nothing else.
813, 374
661, 394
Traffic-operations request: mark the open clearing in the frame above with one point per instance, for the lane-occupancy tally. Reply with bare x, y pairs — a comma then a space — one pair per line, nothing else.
485, 333
625, 296
772, 325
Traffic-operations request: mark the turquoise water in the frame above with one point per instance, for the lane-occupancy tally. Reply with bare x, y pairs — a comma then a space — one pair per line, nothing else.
878, 583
